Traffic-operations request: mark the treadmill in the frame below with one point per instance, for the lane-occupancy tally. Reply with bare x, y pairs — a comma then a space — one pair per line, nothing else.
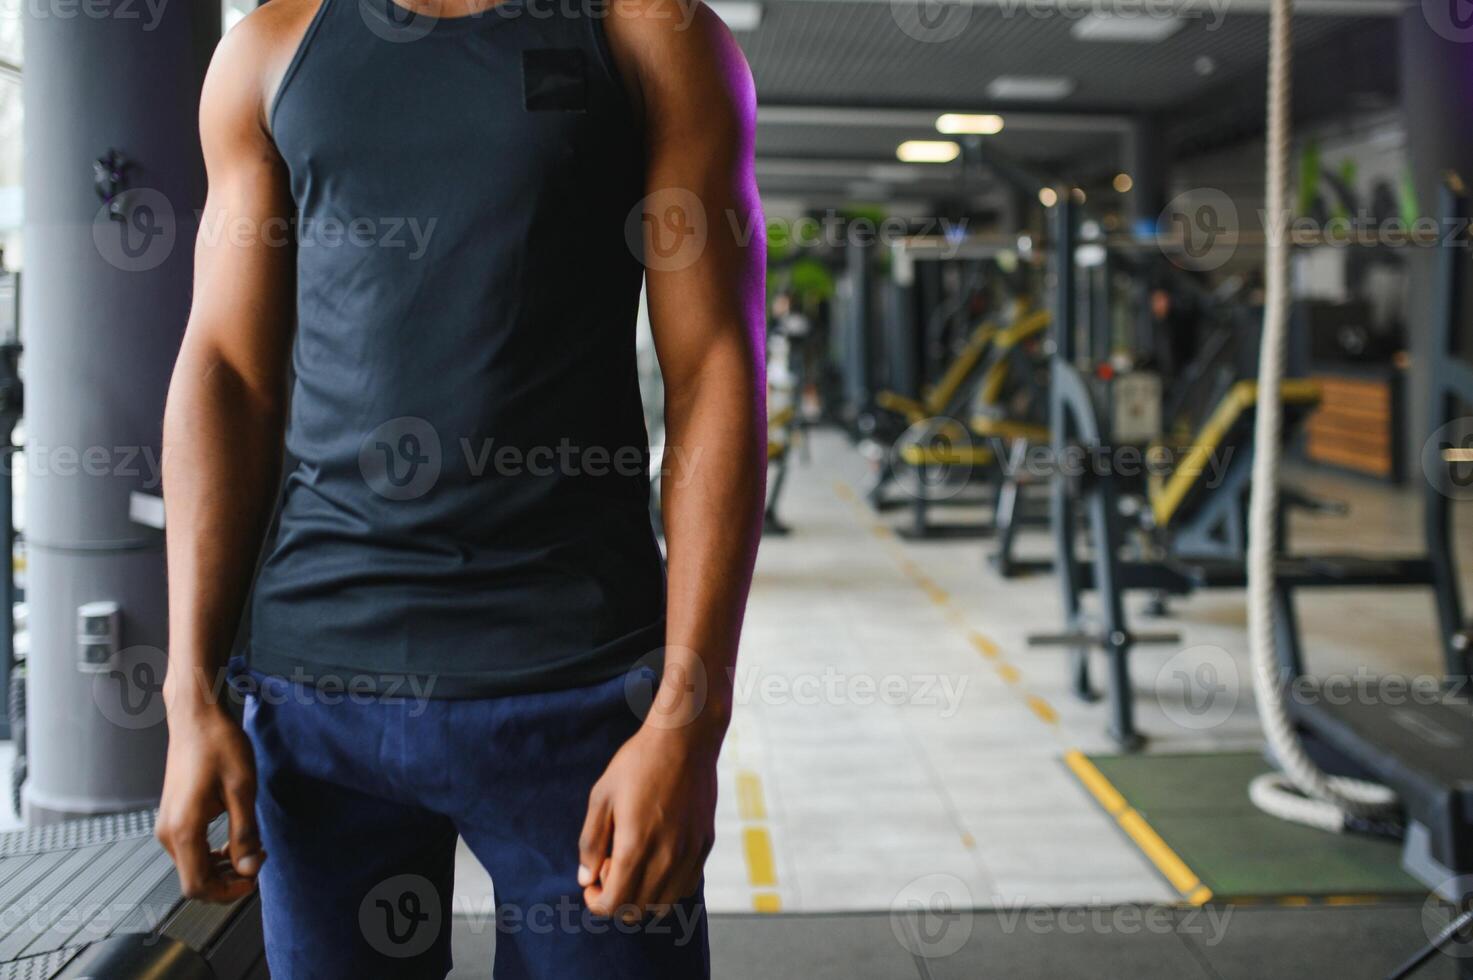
1422, 747
98, 898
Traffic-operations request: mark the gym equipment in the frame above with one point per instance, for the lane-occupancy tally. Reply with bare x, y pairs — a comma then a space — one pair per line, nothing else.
997, 383
1389, 760
782, 428
857, 335
784, 369
1124, 353
1190, 531
99, 898
939, 397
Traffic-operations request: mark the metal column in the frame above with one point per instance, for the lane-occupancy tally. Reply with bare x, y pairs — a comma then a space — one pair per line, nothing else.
106, 300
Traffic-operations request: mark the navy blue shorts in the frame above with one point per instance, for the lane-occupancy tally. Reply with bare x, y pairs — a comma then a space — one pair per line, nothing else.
361, 798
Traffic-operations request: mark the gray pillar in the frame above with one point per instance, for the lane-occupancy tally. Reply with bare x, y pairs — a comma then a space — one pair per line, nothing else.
1436, 91
1146, 163
105, 305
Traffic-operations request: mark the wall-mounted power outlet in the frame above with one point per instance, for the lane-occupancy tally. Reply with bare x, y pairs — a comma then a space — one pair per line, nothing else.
99, 635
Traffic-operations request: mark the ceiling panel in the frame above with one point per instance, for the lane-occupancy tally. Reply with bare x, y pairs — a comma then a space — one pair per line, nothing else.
874, 55
863, 52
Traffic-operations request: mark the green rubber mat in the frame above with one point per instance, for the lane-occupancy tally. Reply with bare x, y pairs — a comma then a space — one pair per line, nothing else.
1199, 806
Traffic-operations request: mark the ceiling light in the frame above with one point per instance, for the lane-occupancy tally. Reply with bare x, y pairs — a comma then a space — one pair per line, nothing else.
1089, 256
739, 15
960, 123
1123, 183
927, 151
1048, 197
1205, 65
1030, 88
1139, 28
1078, 195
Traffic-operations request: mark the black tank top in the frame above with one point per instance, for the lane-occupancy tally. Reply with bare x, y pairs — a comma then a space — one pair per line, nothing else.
467, 497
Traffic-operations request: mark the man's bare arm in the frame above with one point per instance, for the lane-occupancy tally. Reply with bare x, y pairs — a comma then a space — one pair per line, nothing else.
652, 813
222, 450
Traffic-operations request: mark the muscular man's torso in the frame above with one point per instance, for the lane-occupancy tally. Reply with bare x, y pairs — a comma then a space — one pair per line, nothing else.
466, 500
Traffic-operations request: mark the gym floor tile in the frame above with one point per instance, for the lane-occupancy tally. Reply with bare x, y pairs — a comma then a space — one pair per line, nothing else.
1034, 942
1256, 854
1316, 941
1012, 889
1041, 943
1193, 782
808, 947
1199, 805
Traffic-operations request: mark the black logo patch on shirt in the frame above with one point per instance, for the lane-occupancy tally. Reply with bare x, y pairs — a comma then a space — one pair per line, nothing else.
554, 80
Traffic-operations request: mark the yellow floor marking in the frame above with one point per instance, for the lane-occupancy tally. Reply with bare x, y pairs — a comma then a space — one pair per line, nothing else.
1201, 896
761, 869
968, 841
844, 490
1353, 900
1043, 709
1304, 901
750, 802
1099, 787
767, 902
984, 646
937, 593
1162, 856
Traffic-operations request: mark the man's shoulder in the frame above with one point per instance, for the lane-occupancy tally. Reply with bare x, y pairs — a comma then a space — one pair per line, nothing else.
676, 45
270, 33
253, 57
277, 21
660, 28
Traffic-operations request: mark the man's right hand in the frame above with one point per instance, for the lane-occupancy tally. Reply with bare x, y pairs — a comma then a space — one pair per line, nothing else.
223, 428
210, 771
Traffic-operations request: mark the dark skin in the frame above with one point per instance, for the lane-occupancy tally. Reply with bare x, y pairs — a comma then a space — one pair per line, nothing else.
651, 816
